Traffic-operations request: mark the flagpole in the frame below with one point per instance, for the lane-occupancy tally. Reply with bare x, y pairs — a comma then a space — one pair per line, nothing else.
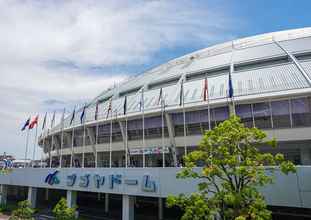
96, 143
26, 151
34, 145
42, 154
126, 144
51, 157
62, 140
231, 93
110, 141
72, 145
143, 121
206, 96
52, 144
184, 118
162, 112
83, 148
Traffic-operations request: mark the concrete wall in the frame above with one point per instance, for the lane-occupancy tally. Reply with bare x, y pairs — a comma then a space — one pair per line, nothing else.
292, 190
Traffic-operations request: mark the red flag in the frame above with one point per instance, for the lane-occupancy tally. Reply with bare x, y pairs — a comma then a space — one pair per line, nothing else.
205, 90
34, 122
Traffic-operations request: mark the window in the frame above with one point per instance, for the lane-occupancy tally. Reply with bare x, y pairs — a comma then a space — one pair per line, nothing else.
196, 122
218, 115
245, 113
105, 130
194, 129
262, 115
301, 114
280, 114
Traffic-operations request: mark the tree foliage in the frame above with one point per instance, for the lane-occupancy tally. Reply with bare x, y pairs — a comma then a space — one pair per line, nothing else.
62, 212
233, 171
23, 212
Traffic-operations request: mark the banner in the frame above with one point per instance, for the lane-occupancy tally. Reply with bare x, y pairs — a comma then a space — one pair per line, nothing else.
151, 150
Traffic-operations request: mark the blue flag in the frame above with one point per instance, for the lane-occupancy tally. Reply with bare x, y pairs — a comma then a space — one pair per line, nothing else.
230, 86
181, 92
82, 115
125, 105
26, 124
73, 116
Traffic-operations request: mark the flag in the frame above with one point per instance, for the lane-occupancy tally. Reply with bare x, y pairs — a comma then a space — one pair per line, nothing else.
26, 124
181, 92
125, 105
160, 99
141, 101
96, 110
44, 121
53, 119
34, 122
63, 118
73, 116
109, 107
82, 116
230, 86
205, 90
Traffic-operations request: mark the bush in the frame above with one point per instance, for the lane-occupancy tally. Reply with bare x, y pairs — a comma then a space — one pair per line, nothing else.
62, 212
23, 212
3, 208
7, 208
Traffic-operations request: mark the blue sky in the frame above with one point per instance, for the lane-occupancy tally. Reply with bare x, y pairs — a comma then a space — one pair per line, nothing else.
248, 18
54, 60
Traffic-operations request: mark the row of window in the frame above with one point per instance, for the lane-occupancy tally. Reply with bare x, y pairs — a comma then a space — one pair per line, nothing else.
276, 114
295, 112
290, 150
265, 115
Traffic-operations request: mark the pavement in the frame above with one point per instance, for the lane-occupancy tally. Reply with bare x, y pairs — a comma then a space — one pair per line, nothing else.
4, 217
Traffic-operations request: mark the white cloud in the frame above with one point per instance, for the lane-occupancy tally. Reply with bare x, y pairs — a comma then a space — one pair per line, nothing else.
86, 34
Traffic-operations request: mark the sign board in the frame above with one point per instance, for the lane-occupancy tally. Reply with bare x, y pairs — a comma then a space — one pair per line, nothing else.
150, 150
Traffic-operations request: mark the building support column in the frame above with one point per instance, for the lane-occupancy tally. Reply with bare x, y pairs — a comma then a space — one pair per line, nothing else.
127, 207
160, 209
46, 194
171, 134
32, 196
4, 194
91, 134
305, 155
106, 202
71, 198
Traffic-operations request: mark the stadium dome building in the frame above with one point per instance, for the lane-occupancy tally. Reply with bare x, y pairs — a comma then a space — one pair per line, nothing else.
271, 77
138, 131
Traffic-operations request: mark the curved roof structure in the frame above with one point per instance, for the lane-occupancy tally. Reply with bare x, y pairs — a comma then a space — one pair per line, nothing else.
263, 64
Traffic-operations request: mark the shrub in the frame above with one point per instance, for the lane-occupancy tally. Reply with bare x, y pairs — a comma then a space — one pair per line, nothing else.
62, 212
23, 212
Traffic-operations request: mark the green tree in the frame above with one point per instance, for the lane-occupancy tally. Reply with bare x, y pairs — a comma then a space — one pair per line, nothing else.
62, 212
233, 171
23, 212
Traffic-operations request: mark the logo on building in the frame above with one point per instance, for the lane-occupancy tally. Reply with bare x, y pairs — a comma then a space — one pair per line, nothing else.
52, 178
7, 166
113, 181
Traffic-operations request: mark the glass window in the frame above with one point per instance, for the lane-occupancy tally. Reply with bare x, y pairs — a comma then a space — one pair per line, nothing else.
179, 130
135, 134
262, 115
178, 118
280, 114
301, 114
245, 113
218, 115
194, 129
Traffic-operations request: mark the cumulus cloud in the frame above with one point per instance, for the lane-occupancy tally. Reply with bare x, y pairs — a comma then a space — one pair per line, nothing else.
48, 49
